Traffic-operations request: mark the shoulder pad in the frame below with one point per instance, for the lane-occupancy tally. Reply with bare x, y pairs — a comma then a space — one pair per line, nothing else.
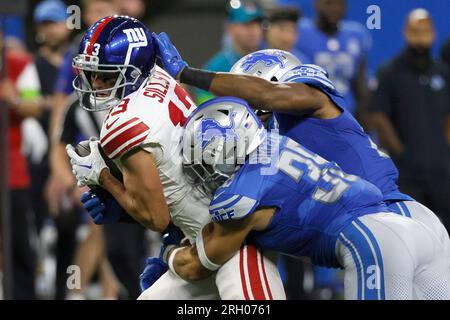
310, 74
121, 131
227, 206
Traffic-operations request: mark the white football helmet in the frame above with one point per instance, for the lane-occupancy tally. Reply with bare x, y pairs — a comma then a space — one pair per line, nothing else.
217, 138
269, 64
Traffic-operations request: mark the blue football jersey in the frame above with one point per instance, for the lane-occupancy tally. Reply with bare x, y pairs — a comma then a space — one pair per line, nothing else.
339, 54
314, 198
341, 139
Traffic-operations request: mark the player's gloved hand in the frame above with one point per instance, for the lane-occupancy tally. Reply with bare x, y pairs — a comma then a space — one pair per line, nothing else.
154, 269
102, 207
87, 169
171, 237
172, 61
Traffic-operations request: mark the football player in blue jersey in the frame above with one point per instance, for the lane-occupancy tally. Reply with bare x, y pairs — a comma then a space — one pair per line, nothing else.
308, 109
341, 47
282, 197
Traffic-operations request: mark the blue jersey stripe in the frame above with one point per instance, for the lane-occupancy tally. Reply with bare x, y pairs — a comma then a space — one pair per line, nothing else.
379, 256
405, 209
359, 264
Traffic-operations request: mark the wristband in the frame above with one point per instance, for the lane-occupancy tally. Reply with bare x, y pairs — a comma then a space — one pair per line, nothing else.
197, 78
208, 264
166, 251
171, 258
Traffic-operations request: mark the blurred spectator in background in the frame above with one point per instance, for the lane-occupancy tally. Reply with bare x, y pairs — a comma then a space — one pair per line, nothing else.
411, 112
341, 48
14, 32
132, 8
281, 32
244, 29
445, 53
20, 90
52, 37
113, 250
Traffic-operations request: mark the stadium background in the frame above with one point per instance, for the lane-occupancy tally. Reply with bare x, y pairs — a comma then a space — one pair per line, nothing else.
197, 29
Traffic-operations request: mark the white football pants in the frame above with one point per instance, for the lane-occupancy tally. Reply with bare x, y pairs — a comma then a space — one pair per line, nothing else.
249, 275
388, 256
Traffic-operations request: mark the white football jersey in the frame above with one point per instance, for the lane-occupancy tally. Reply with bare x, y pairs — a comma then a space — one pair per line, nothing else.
152, 118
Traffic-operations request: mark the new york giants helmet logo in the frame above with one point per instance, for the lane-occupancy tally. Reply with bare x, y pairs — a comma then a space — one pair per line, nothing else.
261, 57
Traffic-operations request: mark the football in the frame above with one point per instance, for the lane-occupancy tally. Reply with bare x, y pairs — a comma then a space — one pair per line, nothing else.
83, 150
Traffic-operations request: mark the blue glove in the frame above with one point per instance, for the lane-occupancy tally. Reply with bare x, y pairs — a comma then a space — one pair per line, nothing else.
172, 236
172, 61
154, 269
101, 206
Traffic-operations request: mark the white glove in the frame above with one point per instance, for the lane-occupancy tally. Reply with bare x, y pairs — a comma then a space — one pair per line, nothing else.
87, 169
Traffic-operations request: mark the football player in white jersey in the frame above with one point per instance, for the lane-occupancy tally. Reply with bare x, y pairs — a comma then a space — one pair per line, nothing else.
141, 134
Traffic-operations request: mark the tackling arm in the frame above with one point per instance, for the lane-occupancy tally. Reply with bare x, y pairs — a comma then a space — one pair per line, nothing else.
216, 244
294, 98
141, 193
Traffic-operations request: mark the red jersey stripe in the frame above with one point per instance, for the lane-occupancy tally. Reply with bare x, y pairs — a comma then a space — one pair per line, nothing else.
253, 273
241, 269
125, 137
128, 147
118, 128
265, 277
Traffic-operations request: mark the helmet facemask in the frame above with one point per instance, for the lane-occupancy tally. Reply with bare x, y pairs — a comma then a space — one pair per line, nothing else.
218, 140
88, 70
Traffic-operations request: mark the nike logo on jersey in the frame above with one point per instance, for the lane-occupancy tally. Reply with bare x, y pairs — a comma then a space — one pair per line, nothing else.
218, 195
85, 166
109, 125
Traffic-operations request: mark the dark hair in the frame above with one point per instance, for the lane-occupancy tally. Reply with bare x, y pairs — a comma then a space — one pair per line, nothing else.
283, 14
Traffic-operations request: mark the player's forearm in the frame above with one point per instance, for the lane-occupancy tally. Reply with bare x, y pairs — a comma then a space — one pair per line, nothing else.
56, 116
155, 221
187, 265
29, 108
248, 88
60, 166
259, 93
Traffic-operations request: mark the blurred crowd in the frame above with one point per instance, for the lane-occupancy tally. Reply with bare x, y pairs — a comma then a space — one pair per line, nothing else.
405, 108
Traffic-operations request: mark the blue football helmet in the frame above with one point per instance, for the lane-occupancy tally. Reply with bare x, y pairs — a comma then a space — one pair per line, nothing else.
116, 55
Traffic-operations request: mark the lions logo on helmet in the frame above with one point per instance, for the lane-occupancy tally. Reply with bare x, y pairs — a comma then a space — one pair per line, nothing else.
269, 64
116, 55
208, 153
261, 57
211, 128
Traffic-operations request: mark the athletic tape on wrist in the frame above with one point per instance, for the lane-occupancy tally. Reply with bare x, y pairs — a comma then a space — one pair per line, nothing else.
208, 264
171, 258
166, 251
